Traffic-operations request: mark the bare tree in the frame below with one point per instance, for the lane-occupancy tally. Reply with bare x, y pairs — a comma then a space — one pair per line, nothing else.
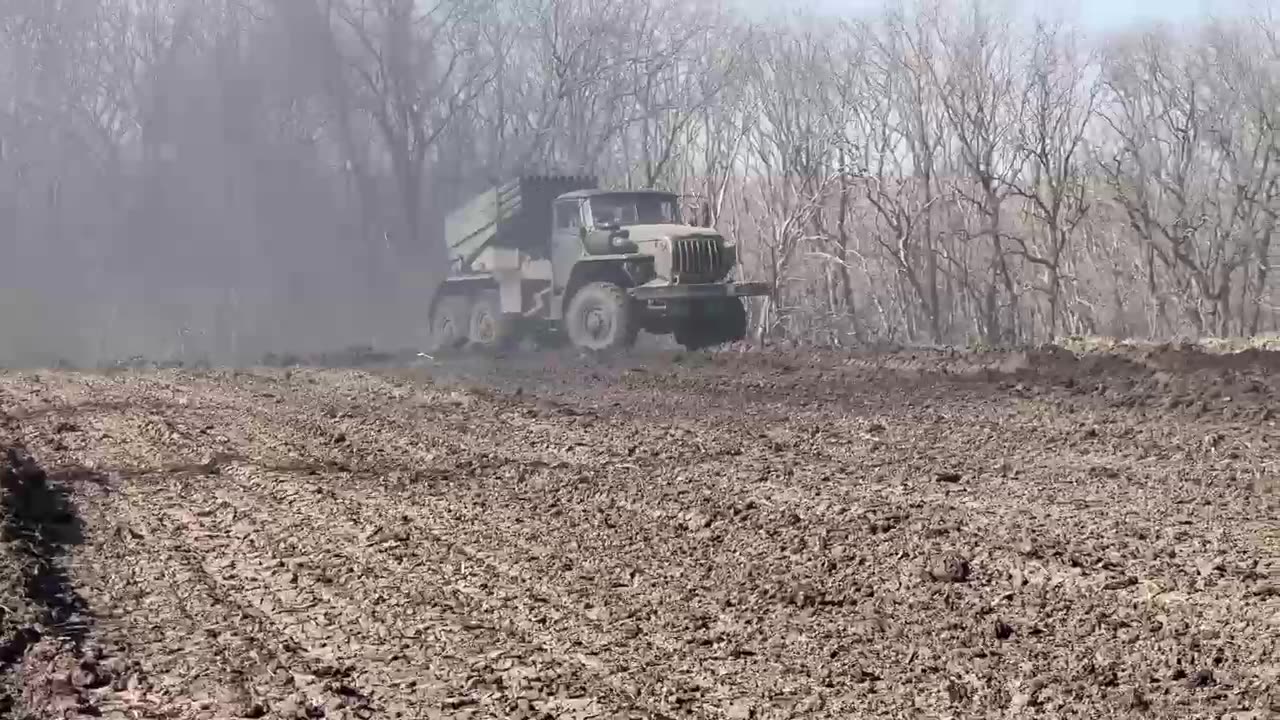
417, 70
792, 157
975, 75
900, 122
1193, 169
1058, 105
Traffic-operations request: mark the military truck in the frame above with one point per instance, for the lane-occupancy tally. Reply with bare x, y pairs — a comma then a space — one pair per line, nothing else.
556, 257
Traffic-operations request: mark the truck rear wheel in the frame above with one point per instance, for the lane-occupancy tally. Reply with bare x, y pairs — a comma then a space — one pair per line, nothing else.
449, 322
488, 329
601, 317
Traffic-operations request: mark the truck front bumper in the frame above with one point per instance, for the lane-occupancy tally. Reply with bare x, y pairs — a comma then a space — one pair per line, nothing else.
665, 293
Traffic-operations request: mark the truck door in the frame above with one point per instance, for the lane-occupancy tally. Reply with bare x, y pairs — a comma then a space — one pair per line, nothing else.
566, 248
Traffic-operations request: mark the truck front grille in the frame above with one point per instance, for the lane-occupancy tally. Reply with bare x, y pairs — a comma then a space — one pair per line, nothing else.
697, 258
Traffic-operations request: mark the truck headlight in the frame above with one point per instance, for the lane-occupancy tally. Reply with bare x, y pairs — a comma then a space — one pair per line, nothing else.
729, 254
622, 244
639, 271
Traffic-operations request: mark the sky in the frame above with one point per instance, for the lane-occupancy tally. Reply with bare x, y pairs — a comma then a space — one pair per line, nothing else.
1092, 15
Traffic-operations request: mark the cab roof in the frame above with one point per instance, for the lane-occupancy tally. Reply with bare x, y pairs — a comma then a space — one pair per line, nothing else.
595, 192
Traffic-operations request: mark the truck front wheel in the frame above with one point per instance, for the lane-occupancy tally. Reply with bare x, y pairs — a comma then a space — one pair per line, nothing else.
601, 317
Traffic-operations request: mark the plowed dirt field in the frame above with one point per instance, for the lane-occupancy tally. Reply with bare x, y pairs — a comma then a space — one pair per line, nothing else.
733, 535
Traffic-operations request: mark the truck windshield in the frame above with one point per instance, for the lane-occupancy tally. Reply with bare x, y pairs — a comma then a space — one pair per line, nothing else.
633, 208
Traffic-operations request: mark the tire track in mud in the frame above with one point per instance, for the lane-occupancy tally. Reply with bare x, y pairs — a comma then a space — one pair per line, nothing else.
363, 518
191, 595
464, 641
371, 518
159, 427
251, 650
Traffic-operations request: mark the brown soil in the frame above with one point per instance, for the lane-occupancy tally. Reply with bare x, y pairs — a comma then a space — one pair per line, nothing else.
735, 535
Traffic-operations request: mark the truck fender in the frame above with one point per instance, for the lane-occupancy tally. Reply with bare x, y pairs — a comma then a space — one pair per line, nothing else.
597, 268
452, 287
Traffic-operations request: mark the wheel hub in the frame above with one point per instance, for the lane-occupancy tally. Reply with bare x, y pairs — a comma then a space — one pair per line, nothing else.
484, 328
446, 327
597, 322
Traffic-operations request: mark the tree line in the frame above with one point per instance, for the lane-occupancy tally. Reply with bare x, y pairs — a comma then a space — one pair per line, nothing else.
228, 177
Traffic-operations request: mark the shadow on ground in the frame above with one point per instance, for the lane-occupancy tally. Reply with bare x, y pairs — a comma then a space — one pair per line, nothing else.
38, 525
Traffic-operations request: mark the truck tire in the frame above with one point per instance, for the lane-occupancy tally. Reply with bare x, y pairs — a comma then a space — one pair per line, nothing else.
488, 329
715, 324
735, 321
601, 317
694, 335
449, 323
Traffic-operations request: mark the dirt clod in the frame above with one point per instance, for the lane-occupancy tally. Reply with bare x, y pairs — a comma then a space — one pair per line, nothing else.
1133, 699
1201, 678
86, 678
949, 568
